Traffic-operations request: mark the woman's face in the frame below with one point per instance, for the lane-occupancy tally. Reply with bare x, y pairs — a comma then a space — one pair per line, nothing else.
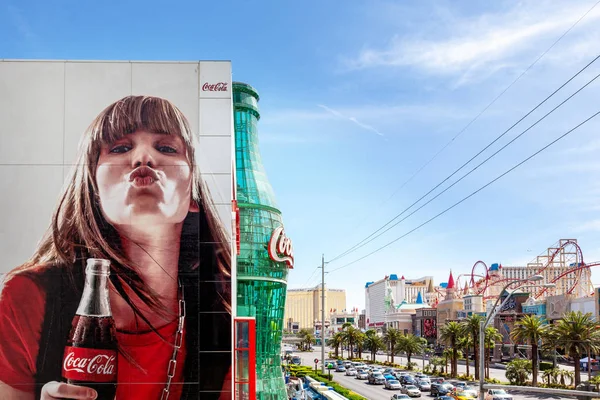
144, 180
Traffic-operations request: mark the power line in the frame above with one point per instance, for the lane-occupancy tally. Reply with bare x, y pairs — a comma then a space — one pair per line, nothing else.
472, 194
311, 275
485, 109
477, 166
366, 240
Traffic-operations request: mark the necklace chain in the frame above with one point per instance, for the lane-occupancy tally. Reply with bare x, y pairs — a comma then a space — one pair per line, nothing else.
176, 345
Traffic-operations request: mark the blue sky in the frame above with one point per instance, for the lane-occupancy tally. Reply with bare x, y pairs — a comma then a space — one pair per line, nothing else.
357, 96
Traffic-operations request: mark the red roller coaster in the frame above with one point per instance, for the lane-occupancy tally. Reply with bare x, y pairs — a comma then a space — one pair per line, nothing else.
564, 259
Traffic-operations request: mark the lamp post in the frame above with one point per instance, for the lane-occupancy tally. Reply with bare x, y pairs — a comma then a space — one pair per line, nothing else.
484, 324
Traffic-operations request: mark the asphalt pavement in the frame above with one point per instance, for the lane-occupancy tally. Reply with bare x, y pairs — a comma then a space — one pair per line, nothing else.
378, 392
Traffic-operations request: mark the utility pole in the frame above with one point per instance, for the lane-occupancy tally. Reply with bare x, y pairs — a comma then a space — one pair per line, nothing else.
323, 313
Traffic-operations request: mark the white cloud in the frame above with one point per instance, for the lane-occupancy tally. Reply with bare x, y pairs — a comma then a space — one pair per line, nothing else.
470, 47
353, 119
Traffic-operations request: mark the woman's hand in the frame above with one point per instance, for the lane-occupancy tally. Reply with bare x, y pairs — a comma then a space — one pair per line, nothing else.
61, 390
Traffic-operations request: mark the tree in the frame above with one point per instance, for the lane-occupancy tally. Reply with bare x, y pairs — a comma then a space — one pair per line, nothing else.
578, 334
464, 343
471, 326
451, 334
306, 339
360, 343
437, 362
410, 344
530, 329
372, 342
517, 371
336, 341
351, 336
491, 337
390, 338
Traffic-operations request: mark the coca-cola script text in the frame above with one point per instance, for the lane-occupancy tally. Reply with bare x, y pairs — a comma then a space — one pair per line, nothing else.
280, 247
89, 365
214, 87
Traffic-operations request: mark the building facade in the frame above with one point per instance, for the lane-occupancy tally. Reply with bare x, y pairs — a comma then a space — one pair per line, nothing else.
303, 306
383, 297
450, 306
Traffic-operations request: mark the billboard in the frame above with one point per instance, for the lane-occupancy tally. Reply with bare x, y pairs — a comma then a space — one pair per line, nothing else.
125, 166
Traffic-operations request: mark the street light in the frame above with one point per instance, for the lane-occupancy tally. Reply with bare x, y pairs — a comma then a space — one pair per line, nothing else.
490, 316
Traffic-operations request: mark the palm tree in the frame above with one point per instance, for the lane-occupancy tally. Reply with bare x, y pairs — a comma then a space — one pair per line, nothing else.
530, 329
360, 343
464, 344
351, 336
471, 325
451, 334
491, 337
577, 333
372, 342
390, 338
336, 341
306, 336
409, 344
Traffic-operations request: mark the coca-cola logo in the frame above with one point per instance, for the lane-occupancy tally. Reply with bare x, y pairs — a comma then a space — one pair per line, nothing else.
95, 365
280, 247
214, 87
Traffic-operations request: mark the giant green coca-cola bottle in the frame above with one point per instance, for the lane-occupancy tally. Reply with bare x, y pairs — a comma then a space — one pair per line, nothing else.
265, 253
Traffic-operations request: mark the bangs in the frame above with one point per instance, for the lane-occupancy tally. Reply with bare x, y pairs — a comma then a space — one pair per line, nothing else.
134, 113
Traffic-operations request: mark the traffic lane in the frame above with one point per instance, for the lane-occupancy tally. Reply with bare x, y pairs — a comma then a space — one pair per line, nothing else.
371, 392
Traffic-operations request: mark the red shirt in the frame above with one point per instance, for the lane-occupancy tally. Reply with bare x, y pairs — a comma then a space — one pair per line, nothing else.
22, 305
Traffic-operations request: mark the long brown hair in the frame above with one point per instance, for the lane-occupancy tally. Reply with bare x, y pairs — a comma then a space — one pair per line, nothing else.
80, 231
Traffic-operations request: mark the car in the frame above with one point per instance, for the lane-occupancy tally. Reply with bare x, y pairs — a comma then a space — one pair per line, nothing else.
340, 368
441, 389
393, 384
497, 394
376, 379
362, 375
348, 364
411, 390
388, 371
468, 394
445, 398
437, 380
399, 396
424, 385
350, 372
459, 385
420, 375
389, 377
407, 380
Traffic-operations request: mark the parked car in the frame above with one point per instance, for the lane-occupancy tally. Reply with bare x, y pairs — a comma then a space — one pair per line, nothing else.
350, 372
424, 385
411, 390
399, 396
340, 368
497, 394
362, 375
376, 379
441, 389
393, 384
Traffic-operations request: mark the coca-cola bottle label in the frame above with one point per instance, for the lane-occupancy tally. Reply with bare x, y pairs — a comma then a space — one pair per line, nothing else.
89, 365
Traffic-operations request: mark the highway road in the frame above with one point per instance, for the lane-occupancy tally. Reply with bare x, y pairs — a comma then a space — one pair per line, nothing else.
378, 392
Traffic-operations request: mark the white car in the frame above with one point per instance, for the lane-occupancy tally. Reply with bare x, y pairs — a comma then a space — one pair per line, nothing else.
362, 375
350, 372
497, 394
411, 390
393, 384
399, 396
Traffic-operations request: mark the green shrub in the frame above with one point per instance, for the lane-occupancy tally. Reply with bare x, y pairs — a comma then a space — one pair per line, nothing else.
350, 395
545, 365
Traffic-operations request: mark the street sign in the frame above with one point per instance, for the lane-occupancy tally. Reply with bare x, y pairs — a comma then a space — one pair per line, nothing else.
316, 360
